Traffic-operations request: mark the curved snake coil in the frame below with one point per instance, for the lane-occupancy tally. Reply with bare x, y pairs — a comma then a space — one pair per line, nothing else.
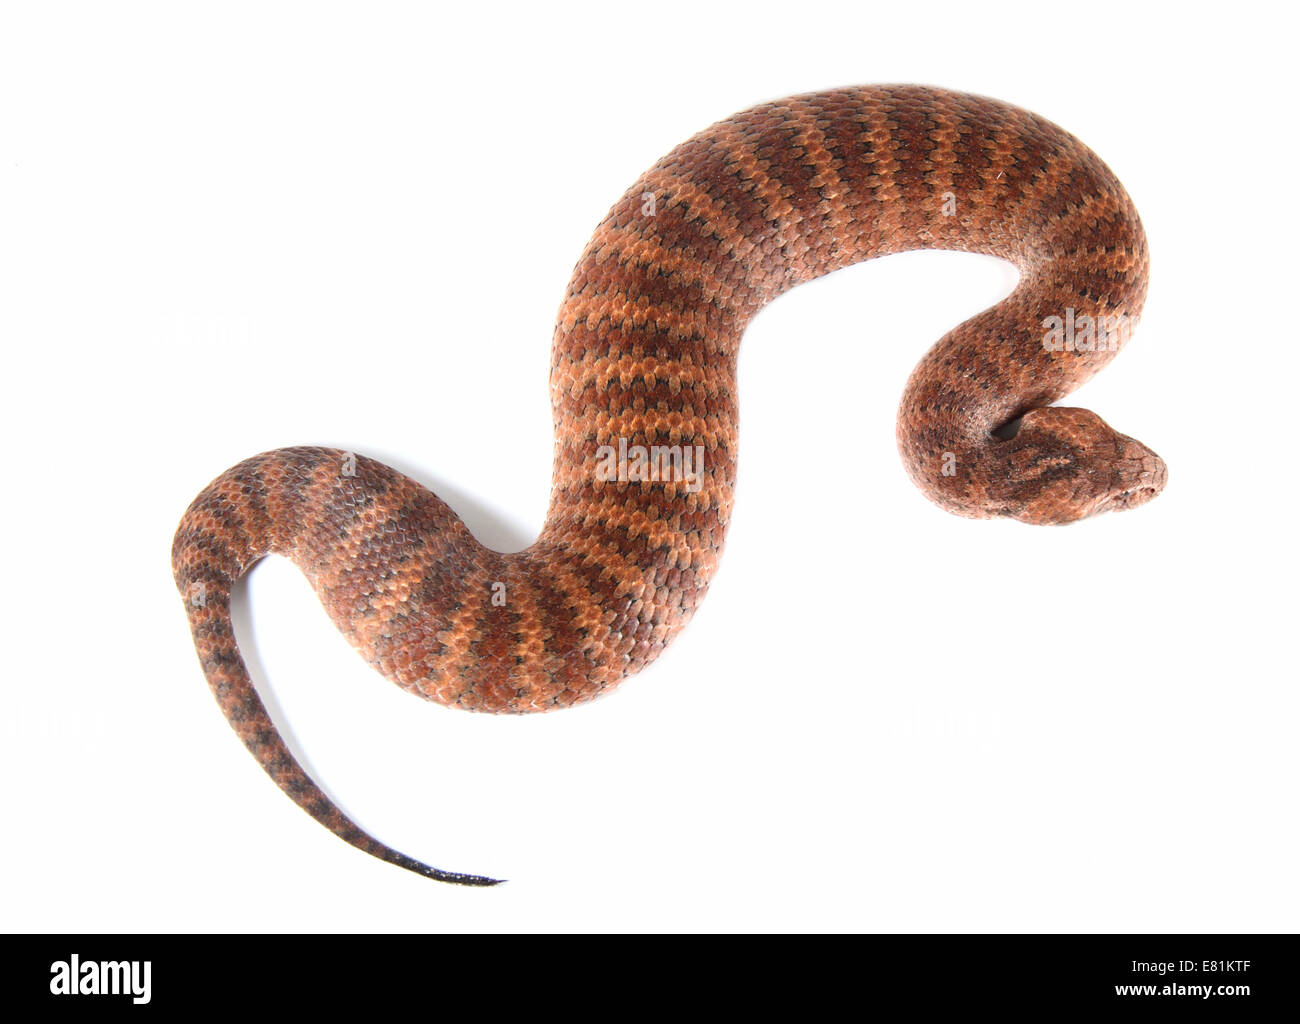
643, 390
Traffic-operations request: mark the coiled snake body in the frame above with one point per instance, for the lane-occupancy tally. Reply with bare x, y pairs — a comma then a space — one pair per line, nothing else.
643, 389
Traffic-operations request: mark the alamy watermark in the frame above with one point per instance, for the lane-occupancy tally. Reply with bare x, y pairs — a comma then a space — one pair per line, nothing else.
675, 463
1080, 332
72, 977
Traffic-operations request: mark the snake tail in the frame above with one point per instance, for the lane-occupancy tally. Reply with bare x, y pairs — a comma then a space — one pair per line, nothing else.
253, 510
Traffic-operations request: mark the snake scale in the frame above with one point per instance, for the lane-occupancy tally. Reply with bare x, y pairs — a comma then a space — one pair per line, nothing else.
643, 392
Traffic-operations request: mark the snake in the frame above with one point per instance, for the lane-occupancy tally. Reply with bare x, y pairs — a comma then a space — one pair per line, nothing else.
644, 402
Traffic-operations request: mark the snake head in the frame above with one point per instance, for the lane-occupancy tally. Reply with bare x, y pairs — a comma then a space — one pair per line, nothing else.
1067, 464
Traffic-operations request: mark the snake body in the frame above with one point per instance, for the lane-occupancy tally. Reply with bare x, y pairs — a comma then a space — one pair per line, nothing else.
643, 390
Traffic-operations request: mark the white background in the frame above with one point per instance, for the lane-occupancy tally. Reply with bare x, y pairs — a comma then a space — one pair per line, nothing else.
228, 228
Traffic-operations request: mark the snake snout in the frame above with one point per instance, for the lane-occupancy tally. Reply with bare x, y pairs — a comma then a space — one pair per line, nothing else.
1141, 473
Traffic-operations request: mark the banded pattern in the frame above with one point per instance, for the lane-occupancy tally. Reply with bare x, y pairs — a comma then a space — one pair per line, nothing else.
644, 360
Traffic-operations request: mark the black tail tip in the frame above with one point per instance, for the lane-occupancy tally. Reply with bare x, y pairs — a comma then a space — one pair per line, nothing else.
458, 879
438, 875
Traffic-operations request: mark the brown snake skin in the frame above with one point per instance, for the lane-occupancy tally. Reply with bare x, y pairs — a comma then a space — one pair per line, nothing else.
644, 354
